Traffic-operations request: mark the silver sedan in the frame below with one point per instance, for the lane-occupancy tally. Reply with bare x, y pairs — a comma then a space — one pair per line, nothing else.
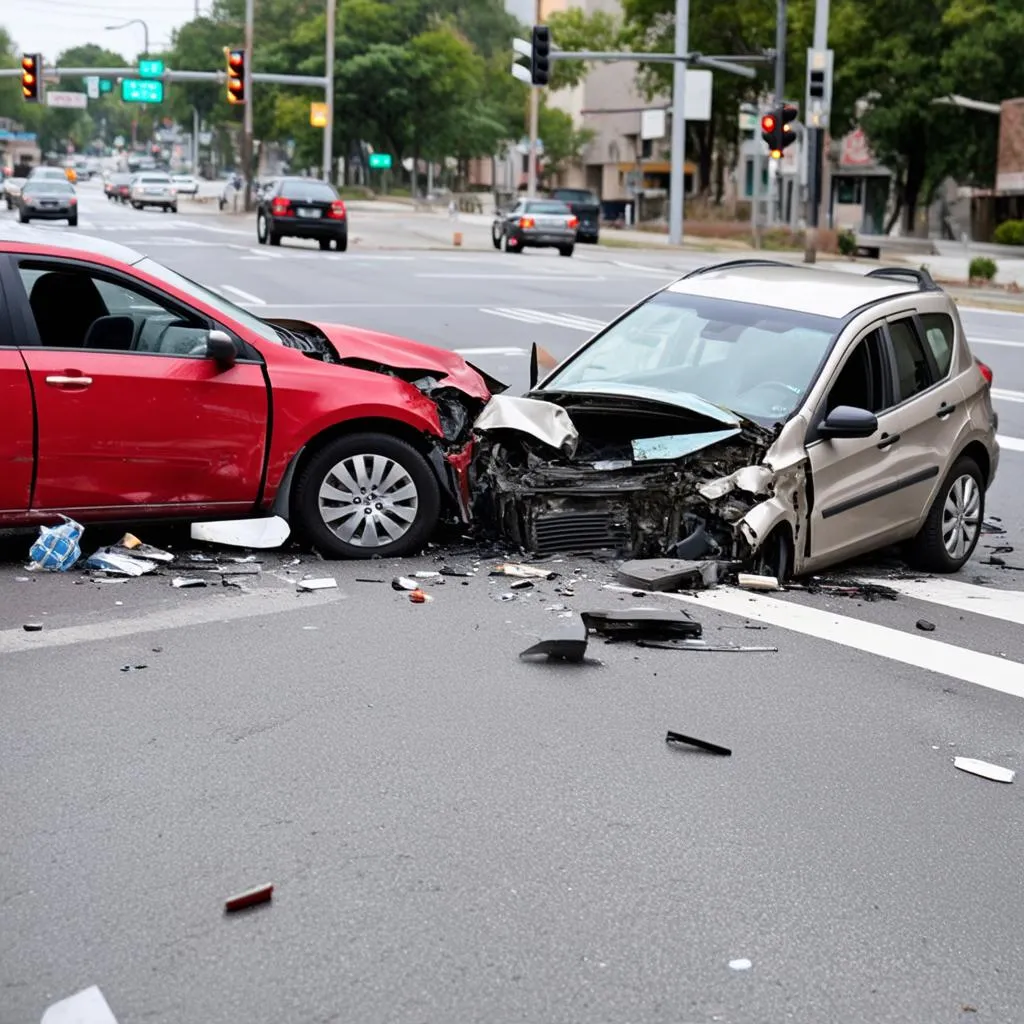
42, 199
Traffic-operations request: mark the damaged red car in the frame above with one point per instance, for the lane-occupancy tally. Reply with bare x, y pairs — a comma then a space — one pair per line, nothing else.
132, 392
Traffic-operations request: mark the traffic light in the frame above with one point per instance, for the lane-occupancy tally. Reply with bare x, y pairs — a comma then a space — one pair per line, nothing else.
540, 63
787, 114
31, 76
777, 131
236, 75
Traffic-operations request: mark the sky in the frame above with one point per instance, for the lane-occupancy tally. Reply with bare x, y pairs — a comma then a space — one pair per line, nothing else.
51, 26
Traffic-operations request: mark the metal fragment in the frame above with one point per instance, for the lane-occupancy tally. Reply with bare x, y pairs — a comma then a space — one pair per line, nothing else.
711, 748
250, 898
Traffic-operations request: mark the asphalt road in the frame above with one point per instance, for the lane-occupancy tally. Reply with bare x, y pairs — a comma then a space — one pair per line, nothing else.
456, 835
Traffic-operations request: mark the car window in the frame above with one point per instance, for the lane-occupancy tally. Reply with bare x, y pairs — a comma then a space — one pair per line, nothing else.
51, 187
548, 207
315, 190
575, 195
757, 361
939, 333
861, 381
912, 370
76, 308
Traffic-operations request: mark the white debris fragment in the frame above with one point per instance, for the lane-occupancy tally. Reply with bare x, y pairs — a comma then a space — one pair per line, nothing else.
987, 771
85, 1007
106, 560
529, 572
750, 581
743, 964
326, 583
244, 533
188, 581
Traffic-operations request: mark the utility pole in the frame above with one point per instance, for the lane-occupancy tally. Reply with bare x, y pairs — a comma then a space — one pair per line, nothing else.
815, 138
677, 181
780, 83
250, 15
332, 10
531, 160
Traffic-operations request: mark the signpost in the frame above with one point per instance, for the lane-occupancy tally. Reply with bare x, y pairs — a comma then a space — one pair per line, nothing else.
380, 161
67, 100
151, 68
138, 90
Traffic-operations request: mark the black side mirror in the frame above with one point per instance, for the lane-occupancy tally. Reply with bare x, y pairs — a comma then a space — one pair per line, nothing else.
848, 421
534, 369
221, 349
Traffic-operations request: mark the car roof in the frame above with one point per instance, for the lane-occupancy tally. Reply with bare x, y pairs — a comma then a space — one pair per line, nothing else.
66, 241
803, 289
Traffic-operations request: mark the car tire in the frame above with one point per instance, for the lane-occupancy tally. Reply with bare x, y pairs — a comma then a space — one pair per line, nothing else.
325, 244
775, 556
261, 229
136, 206
565, 250
341, 243
496, 238
174, 208
964, 491
341, 456
72, 222
273, 237
23, 219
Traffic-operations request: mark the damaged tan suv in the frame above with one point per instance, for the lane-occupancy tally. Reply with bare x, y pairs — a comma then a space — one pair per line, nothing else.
785, 416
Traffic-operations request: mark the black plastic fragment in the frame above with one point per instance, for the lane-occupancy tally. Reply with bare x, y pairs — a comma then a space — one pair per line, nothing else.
925, 626
711, 748
567, 644
32, 627
664, 574
698, 543
642, 623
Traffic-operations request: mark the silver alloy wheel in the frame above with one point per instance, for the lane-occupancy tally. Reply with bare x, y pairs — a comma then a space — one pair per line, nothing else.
261, 228
961, 516
368, 501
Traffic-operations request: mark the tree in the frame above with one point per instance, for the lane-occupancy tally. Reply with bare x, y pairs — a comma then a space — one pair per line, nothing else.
563, 142
574, 29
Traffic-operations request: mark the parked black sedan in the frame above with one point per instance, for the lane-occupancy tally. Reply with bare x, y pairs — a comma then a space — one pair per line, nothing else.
302, 208
43, 199
535, 224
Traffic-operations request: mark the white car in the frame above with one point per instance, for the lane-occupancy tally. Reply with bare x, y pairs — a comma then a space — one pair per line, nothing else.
153, 188
185, 184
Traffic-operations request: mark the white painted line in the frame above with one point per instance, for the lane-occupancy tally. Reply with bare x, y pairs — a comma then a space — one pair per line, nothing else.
514, 277
1010, 444
932, 655
244, 296
1007, 605
490, 351
256, 259
995, 341
659, 271
1001, 395
532, 316
268, 255
966, 307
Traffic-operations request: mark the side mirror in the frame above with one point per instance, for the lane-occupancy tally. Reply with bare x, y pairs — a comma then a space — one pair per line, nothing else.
221, 349
848, 421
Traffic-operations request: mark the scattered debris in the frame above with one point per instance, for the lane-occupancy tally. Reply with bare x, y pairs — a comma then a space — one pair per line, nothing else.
32, 627
364, 579
249, 898
234, 581
523, 572
239, 569
109, 560
404, 583
991, 525
1000, 549
201, 558
642, 623
130, 544
664, 574
326, 583
426, 574
188, 581
750, 581
134, 668
993, 560
57, 548
244, 533
418, 597
521, 585
984, 769
925, 626
450, 570
865, 590
85, 1007
742, 964
567, 644
702, 645
711, 748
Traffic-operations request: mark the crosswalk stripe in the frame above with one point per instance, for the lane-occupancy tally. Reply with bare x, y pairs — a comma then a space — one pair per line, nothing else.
1007, 605
533, 316
1010, 444
986, 670
1002, 395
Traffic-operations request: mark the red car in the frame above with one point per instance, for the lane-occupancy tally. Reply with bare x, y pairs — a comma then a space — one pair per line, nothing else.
129, 391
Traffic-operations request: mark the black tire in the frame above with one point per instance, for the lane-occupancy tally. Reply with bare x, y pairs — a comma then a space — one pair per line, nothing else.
341, 243
318, 469
510, 247
775, 556
72, 222
274, 238
496, 238
261, 229
174, 208
325, 244
136, 206
23, 217
565, 250
928, 550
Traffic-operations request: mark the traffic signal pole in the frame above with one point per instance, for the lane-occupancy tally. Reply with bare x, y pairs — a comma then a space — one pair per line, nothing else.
328, 160
250, 6
816, 139
531, 160
781, 13
677, 179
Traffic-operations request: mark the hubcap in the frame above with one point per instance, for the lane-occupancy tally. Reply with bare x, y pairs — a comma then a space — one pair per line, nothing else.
368, 500
961, 516
263, 227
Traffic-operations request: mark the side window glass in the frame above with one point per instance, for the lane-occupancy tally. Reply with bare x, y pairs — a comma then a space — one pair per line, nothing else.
939, 333
861, 381
912, 369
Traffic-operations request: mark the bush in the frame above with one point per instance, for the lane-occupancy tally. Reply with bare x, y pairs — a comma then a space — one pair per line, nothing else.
1010, 232
982, 269
847, 242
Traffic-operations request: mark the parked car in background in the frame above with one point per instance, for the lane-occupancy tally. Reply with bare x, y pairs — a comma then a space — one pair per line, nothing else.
43, 199
587, 208
153, 188
535, 224
302, 208
12, 189
185, 184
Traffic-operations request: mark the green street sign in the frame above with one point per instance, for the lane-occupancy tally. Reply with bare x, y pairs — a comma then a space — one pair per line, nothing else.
106, 85
151, 68
380, 161
138, 90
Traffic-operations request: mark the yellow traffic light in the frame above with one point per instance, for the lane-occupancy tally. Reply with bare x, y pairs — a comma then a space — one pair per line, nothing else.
236, 75
31, 73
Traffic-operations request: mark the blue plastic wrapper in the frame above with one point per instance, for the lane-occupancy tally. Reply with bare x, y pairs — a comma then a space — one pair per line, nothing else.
57, 547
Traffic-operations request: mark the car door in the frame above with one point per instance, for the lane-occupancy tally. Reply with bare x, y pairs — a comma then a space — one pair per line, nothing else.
17, 449
130, 411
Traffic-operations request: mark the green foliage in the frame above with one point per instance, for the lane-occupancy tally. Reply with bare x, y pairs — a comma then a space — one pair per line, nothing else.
574, 29
982, 269
1010, 232
847, 242
563, 143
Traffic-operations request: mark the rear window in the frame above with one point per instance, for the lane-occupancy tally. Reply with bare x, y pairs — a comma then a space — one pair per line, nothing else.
48, 186
315, 190
154, 179
938, 332
551, 207
575, 195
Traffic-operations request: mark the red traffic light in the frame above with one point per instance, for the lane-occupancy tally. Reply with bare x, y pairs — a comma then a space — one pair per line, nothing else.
767, 123
235, 60
28, 63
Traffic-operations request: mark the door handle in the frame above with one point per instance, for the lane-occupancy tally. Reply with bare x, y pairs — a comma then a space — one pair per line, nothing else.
888, 440
69, 382
945, 409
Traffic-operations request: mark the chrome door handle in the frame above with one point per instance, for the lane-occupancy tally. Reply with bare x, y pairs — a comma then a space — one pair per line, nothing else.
74, 382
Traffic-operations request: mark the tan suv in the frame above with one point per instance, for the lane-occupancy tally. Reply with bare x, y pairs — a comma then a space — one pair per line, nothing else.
789, 416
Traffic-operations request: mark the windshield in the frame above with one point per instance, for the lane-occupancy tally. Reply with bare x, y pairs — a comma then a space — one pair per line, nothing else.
549, 207
154, 179
575, 195
308, 190
48, 186
755, 361
211, 298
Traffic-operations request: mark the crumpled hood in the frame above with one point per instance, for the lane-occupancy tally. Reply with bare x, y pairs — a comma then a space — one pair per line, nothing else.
400, 353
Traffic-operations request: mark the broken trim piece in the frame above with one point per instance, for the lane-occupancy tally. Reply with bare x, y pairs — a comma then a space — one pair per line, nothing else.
545, 421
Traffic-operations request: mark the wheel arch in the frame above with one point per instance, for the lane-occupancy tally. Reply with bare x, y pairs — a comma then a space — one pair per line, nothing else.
978, 453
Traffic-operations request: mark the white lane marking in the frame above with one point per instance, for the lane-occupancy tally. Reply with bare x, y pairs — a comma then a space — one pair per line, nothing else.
995, 341
1002, 395
253, 300
265, 253
1010, 444
490, 351
985, 311
201, 612
932, 655
532, 316
514, 277
659, 271
256, 259
1007, 605
85, 1007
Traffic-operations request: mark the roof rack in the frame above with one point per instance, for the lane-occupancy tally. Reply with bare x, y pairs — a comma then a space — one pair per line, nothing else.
922, 278
735, 263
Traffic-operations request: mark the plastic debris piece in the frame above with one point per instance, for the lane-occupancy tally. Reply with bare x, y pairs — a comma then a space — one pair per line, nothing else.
188, 581
742, 964
404, 583
363, 579
201, 558
982, 768
327, 583
711, 748
244, 533
523, 571
418, 597
32, 627
647, 623
134, 668
131, 545
925, 626
240, 569
85, 1007
250, 898
451, 570
663, 574
108, 560
57, 548
991, 525
750, 581
521, 585
426, 574
569, 643
701, 645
